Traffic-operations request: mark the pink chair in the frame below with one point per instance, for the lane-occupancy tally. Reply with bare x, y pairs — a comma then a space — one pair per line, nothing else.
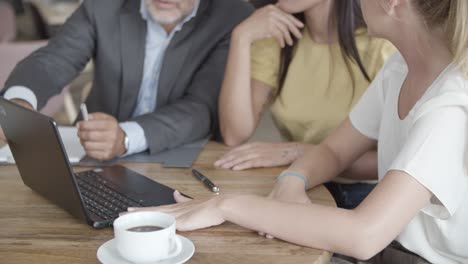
14, 52
7, 22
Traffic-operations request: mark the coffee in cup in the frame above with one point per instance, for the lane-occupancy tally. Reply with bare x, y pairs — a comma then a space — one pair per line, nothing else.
146, 237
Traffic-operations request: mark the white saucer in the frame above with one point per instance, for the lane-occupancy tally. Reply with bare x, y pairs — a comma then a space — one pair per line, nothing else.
108, 254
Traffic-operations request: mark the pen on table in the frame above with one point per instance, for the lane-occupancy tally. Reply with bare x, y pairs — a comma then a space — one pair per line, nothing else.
205, 181
84, 112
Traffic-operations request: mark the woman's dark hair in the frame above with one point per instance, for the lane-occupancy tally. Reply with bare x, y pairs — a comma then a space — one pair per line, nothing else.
347, 17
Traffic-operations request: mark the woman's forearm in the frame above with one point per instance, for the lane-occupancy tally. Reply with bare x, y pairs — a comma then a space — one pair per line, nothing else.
324, 162
236, 113
360, 233
315, 226
364, 168
318, 164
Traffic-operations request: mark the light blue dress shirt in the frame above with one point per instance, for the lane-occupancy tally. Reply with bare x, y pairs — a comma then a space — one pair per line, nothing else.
157, 40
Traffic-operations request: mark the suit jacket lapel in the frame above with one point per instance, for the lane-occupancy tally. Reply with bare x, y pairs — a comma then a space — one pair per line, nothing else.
133, 39
176, 55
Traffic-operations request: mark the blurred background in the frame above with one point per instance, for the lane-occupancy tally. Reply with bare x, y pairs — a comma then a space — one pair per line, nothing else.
25, 26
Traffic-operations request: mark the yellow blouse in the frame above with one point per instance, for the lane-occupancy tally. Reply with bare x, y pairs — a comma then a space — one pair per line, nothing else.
318, 92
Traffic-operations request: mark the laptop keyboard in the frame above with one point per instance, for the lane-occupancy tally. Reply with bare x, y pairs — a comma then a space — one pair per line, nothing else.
100, 198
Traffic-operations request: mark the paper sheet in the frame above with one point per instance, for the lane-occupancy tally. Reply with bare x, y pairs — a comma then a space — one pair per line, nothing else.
75, 151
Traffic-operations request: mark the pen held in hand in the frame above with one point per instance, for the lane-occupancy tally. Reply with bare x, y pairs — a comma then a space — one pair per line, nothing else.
84, 112
208, 183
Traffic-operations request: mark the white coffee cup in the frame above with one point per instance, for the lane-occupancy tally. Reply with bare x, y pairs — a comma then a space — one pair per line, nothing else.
152, 246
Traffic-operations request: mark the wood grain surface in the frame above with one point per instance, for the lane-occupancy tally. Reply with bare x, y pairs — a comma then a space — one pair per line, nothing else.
32, 230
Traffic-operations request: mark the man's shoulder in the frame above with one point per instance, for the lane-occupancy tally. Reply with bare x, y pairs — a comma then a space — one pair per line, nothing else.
230, 4
105, 2
104, 5
234, 9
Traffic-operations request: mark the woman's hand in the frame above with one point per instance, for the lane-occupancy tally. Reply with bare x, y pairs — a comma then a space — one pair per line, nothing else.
261, 154
290, 190
270, 21
190, 214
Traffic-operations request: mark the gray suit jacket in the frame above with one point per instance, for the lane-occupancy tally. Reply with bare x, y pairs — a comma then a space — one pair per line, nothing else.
113, 34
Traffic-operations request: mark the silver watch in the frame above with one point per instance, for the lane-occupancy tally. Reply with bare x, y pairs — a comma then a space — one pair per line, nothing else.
126, 143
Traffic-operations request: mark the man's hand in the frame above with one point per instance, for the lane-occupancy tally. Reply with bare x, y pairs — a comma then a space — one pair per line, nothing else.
101, 137
18, 102
261, 154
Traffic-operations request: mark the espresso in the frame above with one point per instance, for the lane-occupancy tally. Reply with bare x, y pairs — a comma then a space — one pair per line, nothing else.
147, 228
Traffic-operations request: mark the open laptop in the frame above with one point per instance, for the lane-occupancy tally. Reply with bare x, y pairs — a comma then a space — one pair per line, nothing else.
95, 196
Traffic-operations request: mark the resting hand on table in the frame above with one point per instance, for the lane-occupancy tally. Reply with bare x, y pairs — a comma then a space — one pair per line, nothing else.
21, 103
101, 136
190, 214
202, 213
290, 190
261, 154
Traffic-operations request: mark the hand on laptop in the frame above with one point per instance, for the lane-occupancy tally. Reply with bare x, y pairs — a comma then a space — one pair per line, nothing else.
191, 214
101, 137
19, 102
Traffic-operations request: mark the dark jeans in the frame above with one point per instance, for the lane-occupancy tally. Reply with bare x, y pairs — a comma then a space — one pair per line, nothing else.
349, 196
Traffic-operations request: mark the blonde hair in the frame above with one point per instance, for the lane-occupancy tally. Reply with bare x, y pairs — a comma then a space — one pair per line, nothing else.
453, 15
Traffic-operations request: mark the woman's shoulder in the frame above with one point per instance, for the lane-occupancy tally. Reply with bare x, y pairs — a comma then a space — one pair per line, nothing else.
370, 42
450, 82
392, 68
448, 90
374, 51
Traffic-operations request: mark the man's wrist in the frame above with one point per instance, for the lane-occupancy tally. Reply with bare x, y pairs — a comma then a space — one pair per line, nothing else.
125, 142
136, 136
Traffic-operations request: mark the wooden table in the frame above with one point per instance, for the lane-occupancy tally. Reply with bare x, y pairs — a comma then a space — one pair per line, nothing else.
32, 230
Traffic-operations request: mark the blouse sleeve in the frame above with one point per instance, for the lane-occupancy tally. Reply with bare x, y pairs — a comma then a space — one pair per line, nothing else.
265, 62
434, 154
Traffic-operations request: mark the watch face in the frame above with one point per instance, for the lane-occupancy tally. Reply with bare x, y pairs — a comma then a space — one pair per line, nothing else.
126, 143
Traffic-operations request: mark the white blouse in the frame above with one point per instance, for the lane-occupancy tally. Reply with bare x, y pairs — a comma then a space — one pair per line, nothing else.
430, 145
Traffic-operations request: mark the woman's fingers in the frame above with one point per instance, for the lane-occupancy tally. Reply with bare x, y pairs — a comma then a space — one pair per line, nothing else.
277, 35
283, 29
291, 23
249, 164
180, 198
232, 154
242, 159
236, 158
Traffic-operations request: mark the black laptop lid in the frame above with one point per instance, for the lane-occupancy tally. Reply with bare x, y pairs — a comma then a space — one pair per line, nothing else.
40, 157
